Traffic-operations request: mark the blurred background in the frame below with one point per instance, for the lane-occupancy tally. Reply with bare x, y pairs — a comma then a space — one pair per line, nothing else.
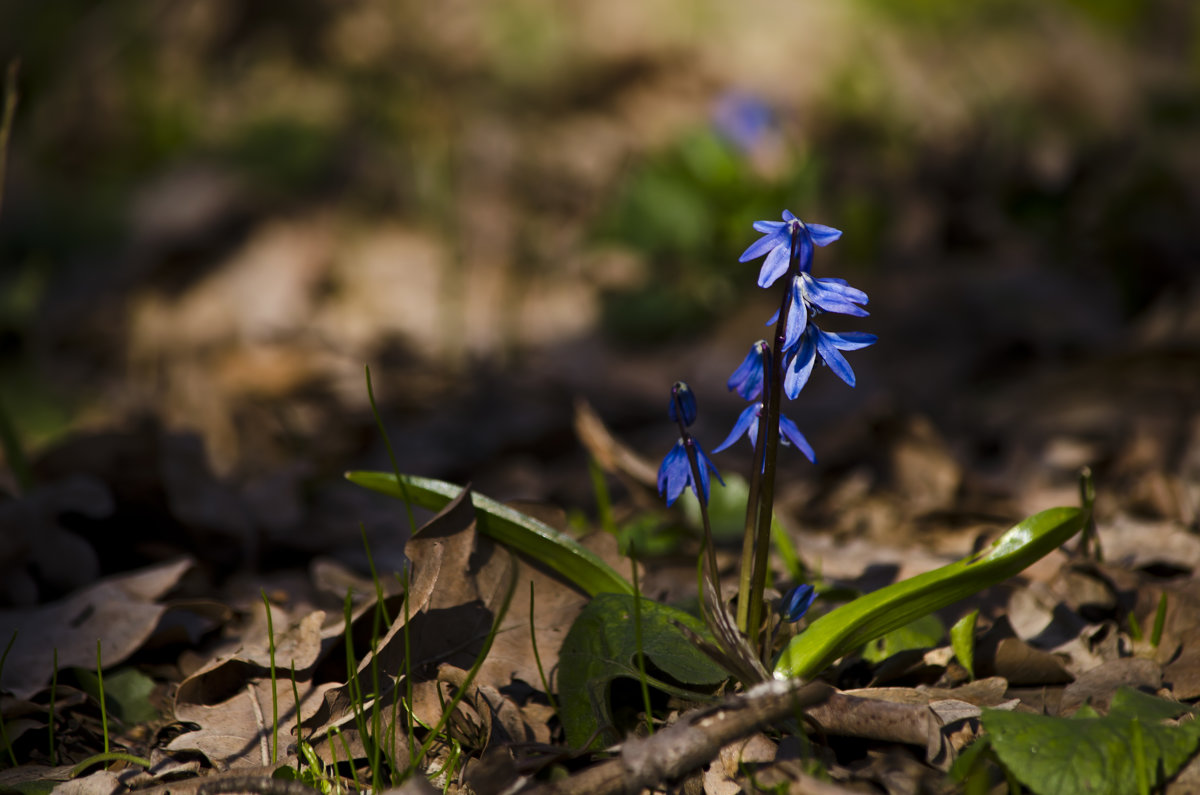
216, 213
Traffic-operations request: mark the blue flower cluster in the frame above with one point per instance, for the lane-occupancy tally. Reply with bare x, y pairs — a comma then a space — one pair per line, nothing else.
788, 246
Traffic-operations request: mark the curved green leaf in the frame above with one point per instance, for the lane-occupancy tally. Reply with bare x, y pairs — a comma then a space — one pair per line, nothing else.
843, 630
514, 529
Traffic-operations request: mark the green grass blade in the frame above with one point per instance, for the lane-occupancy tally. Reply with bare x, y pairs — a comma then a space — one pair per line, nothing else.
850, 626
512, 528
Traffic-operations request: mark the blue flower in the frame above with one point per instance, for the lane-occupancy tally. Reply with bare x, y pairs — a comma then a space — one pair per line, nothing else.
776, 243
675, 474
747, 380
747, 425
811, 296
683, 403
828, 345
796, 602
743, 119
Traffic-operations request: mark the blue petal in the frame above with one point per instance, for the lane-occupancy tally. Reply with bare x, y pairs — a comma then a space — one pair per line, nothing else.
823, 235
792, 434
747, 379
769, 227
801, 366
675, 473
704, 465
833, 357
806, 251
774, 266
839, 298
797, 319
851, 340
767, 242
788, 217
683, 396
796, 603
745, 421
842, 287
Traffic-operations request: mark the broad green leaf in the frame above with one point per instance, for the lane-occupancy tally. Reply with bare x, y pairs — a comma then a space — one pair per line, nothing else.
126, 693
962, 641
1129, 750
726, 507
924, 633
512, 528
601, 646
848, 627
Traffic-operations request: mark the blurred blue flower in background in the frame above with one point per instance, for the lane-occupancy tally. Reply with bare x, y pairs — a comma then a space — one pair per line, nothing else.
742, 119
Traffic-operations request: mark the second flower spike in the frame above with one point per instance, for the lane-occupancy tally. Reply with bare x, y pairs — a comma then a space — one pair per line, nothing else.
686, 462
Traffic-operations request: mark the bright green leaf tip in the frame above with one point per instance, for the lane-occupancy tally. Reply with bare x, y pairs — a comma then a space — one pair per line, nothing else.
512, 528
845, 629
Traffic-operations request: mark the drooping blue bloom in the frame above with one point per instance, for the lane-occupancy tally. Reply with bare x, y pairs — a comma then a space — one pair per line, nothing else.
747, 380
675, 474
796, 602
684, 398
828, 345
776, 243
747, 425
811, 296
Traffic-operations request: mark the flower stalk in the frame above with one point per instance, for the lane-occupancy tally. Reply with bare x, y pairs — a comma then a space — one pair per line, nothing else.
760, 505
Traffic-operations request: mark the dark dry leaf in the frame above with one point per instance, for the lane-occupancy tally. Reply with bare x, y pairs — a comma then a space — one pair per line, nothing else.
122, 612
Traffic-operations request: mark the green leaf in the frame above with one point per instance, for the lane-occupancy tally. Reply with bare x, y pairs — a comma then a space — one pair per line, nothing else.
962, 641
1129, 750
601, 646
726, 507
126, 693
514, 529
848, 627
924, 633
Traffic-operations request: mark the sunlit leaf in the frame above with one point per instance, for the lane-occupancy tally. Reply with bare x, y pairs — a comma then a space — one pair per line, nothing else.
512, 528
848, 627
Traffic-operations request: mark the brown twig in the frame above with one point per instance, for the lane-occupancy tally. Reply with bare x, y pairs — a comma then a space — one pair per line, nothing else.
695, 739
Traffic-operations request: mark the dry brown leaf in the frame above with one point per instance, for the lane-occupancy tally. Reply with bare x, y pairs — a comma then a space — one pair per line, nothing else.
460, 580
101, 782
120, 612
237, 732
722, 777
296, 643
1000, 653
1096, 687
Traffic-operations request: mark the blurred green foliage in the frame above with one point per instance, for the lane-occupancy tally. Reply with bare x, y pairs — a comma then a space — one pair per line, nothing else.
688, 209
